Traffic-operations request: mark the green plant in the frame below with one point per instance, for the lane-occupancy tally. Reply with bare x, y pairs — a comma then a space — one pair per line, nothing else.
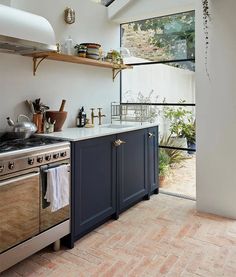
152, 97
177, 117
114, 56
189, 131
79, 47
153, 111
206, 19
165, 32
175, 156
164, 163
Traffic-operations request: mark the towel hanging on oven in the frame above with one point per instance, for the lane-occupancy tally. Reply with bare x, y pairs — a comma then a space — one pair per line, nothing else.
58, 187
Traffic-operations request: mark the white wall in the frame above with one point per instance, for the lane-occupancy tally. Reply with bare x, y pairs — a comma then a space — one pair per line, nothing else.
5, 2
216, 111
79, 84
142, 9
170, 83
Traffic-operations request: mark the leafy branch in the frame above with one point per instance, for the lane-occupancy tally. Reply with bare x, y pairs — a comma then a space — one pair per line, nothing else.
206, 20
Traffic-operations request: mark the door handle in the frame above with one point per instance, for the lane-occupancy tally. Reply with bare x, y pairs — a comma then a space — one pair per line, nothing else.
151, 135
118, 142
17, 179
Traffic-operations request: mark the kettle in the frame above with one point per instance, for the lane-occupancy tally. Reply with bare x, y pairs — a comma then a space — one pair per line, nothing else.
22, 129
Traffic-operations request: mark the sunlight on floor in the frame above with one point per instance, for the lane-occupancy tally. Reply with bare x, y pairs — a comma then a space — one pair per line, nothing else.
182, 180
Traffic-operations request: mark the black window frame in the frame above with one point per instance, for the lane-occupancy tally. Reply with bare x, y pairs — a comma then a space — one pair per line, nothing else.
109, 2
158, 62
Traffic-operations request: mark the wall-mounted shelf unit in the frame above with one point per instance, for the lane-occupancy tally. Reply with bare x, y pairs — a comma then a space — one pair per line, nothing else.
39, 57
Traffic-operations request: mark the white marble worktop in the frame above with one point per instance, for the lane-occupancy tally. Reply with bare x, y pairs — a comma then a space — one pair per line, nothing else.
76, 134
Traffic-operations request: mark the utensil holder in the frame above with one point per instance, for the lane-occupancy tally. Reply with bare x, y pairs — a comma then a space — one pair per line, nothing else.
38, 121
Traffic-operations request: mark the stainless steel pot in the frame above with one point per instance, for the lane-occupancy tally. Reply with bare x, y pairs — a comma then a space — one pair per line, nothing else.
22, 129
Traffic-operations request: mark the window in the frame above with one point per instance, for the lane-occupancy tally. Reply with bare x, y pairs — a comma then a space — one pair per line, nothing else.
162, 52
167, 38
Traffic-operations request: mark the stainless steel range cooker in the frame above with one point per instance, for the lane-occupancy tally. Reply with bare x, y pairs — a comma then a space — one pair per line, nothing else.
26, 221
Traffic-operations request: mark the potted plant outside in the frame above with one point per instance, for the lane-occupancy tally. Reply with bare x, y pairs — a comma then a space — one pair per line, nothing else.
176, 156
177, 117
189, 132
169, 158
164, 166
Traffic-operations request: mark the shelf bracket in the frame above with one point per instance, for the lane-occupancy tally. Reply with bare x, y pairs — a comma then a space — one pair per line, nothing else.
115, 72
36, 63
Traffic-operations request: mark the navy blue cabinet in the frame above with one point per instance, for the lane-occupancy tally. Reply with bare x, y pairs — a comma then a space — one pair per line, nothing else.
153, 164
110, 174
132, 168
94, 183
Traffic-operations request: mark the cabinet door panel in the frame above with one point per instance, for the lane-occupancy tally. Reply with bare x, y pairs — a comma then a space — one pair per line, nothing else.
94, 182
132, 167
153, 159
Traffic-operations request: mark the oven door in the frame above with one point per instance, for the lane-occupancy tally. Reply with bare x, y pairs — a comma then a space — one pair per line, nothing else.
48, 218
19, 209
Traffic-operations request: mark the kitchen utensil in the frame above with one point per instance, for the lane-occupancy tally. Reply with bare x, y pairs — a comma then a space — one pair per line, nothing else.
39, 107
22, 129
58, 117
30, 106
63, 102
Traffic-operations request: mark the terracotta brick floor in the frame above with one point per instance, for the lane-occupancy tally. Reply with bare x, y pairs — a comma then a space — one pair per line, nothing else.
161, 237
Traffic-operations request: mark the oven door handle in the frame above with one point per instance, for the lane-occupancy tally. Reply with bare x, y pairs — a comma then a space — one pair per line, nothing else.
16, 179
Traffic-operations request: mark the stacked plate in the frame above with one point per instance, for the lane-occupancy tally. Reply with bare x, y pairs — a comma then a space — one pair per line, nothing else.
92, 50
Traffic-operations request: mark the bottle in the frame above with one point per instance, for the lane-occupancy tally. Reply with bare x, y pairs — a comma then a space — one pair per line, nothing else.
69, 46
81, 119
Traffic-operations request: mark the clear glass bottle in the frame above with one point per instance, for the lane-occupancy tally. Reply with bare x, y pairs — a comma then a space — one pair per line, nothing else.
69, 46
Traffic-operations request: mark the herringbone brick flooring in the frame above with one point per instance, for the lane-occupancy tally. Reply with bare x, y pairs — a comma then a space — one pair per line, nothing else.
161, 237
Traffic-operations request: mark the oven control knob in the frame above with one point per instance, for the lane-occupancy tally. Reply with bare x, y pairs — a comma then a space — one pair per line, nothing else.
40, 160
11, 165
56, 156
30, 161
1, 168
48, 158
63, 154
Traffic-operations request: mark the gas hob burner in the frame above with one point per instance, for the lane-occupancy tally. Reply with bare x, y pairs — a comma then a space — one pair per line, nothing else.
7, 144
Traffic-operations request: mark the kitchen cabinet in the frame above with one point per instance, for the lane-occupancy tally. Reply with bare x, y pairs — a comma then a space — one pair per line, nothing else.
132, 168
110, 174
94, 183
153, 163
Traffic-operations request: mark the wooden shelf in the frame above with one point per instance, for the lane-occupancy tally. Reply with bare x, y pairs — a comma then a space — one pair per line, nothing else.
39, 57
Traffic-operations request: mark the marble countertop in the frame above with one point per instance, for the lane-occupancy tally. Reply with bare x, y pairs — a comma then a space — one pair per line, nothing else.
76, 134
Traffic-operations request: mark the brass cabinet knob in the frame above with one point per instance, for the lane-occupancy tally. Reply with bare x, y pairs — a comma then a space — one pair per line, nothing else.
118, 142
151, 135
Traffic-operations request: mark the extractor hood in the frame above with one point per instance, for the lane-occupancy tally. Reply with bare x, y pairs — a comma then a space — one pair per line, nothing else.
24, 33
